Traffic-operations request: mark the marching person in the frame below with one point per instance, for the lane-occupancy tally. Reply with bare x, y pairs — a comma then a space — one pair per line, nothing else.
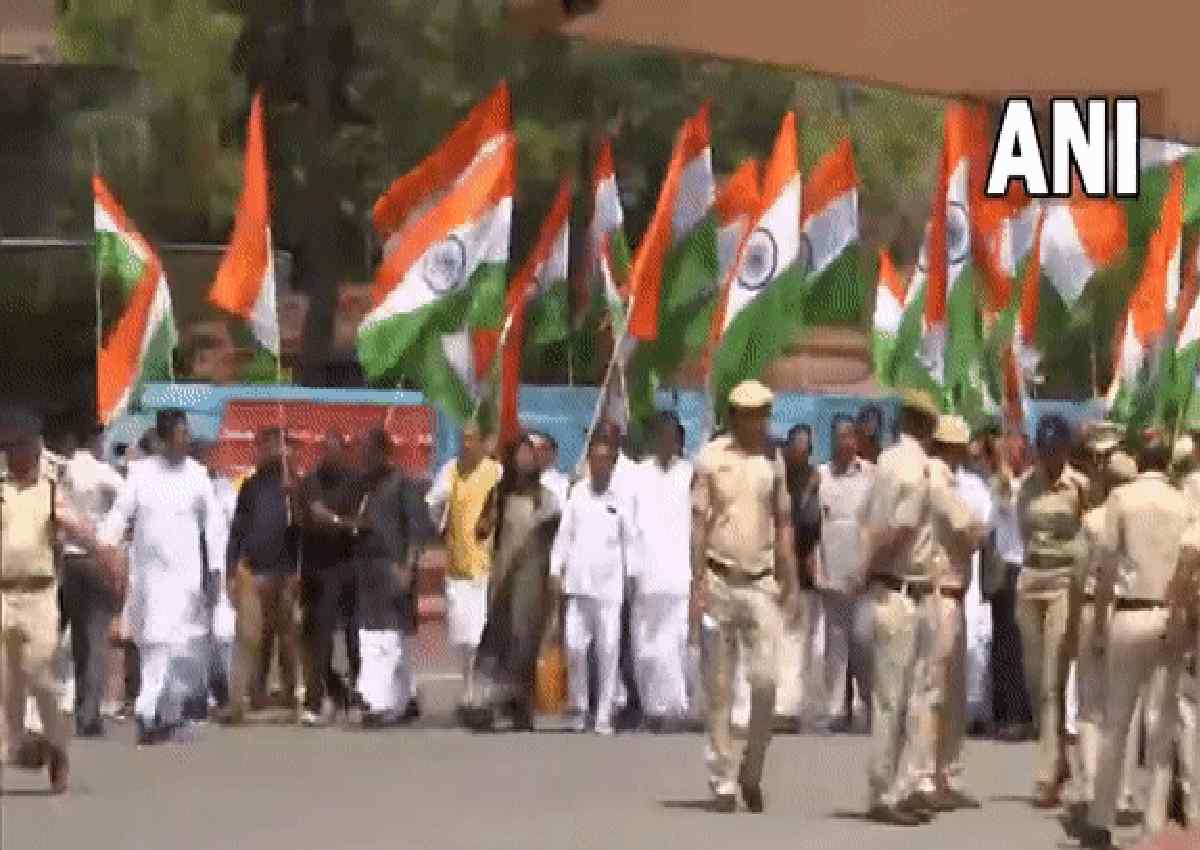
1144, 637
384, 552
33, 513
327, 580
844, 484
1188, 584
261, 565
1006, 556
456, 502
170, 503
743, 569
804, 628
961, 519
1050, 507
898, 564
552, 477
663, 528
89, 601
522, 515
1118, 469
590, 567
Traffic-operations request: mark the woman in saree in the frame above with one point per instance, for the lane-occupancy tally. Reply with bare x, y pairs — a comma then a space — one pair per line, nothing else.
521, 615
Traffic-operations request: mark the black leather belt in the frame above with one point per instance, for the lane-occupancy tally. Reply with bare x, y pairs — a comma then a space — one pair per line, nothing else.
955, 593
1139, 604
1089, 599
30, 584
912, 589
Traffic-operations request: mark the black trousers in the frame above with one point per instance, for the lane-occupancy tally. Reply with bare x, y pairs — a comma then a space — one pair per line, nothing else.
88, 607
327, 600
1010, 700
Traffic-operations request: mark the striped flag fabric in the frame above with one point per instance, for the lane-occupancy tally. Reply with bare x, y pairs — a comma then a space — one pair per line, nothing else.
549, 309
889, 310
829, 224
245, 281
545, 267
1157, 158
442, 283
672, 280
139, 347
761, 298
1137, 394
1186, 372
1080, 237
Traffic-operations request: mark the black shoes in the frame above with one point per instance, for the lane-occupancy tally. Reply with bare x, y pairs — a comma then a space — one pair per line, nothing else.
1094, 838
94, 729
725, 804
893, 816
753, 797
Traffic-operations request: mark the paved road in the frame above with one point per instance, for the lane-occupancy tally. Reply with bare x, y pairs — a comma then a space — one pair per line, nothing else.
432, 787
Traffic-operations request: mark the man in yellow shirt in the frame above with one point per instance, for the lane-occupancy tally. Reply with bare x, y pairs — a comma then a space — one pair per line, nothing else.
456, 502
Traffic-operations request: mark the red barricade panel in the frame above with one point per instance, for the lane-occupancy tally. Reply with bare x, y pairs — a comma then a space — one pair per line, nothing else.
411, 427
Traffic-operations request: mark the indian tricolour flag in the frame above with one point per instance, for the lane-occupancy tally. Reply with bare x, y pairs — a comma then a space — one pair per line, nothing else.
139, 346
672, 281
889, 310
1157, 158
1186, 377
442, 279
760, 305
549, 308
939, 342
829, 222
1138, 390
1081, 236
245, 282
545, 268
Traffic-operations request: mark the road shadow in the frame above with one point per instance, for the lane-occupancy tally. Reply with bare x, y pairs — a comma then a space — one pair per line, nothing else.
1011, 798
708, 806
846, 814
17, 793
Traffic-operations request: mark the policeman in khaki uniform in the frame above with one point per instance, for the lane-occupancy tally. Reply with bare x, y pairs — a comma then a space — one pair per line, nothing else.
32, 513
1118, 469
957, 533
1051, 502
1144, 637
742, 561
898, 563
1189, 586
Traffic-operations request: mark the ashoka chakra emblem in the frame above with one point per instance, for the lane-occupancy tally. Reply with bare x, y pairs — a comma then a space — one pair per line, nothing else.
758, 260
445, 265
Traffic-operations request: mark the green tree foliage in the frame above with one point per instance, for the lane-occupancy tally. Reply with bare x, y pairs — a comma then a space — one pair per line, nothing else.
169, 148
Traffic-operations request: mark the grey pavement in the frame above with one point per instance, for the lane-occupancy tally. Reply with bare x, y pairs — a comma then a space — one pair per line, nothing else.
435, 787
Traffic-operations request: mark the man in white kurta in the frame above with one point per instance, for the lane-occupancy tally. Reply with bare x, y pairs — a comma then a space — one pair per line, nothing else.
663, 526
589, 561
169, 500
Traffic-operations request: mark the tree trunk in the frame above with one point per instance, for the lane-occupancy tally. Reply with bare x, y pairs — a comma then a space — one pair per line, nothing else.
318, 258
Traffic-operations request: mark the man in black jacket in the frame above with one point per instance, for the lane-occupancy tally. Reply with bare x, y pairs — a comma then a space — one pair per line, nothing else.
385, 554
261, 567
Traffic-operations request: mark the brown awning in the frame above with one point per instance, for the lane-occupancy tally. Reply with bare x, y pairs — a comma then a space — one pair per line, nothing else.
984, 50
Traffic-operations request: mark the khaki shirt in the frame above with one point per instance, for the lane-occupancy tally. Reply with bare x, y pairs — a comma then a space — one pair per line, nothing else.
957, 532
736, 498
28, 536
1191, 486
1143, 531
1051, 518
897, 518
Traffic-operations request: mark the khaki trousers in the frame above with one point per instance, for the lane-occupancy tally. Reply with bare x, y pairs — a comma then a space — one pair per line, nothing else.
1043, 625
944, 726
904, 650
1089, 681
28, 645
747, 610
1189, 742
266, 607
1138, 657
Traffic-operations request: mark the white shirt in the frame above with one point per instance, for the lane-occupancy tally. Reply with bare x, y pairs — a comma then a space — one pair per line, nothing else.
663, 523
842, 496
556, 483
90, 487
168, 505
1010, 544
591, 549
975, 492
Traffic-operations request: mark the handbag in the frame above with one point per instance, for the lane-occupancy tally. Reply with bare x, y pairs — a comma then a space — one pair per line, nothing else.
550, 681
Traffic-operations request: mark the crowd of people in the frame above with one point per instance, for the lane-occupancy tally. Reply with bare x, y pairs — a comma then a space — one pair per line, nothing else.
921, 585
